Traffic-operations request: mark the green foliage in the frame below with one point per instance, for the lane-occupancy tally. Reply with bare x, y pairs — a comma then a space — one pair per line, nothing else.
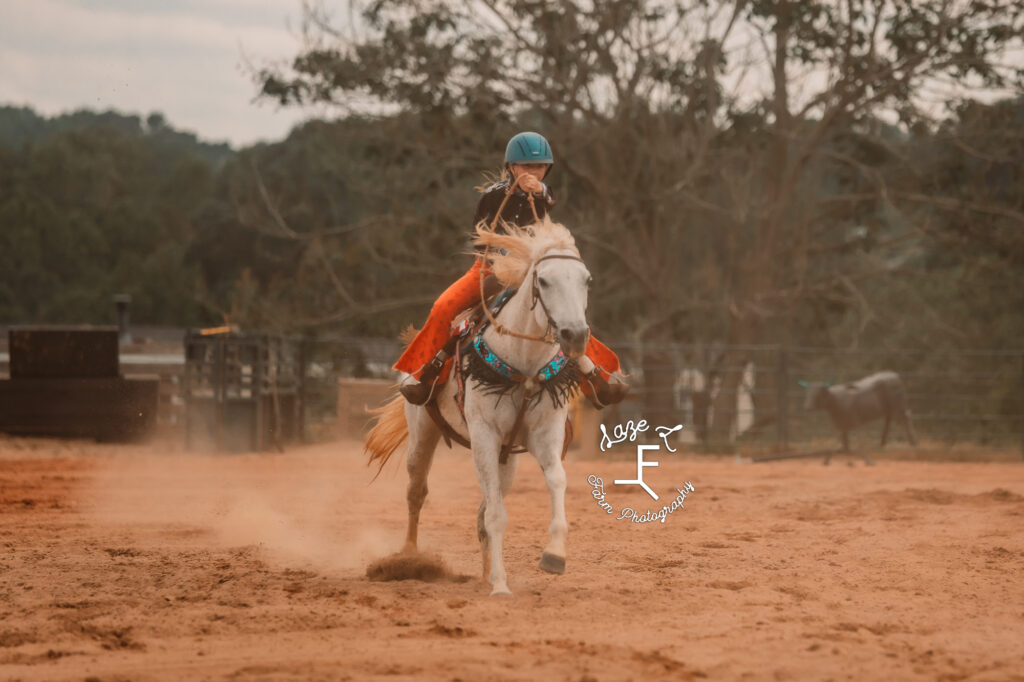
337, 224
96, 204
708, 213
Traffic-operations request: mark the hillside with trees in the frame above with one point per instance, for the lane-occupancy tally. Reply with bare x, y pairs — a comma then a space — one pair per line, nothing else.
95, 204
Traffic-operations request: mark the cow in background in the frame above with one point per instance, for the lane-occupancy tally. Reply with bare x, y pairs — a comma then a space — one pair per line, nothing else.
852, 404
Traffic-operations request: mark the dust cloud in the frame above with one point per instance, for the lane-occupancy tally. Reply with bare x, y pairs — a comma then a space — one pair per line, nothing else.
311, 513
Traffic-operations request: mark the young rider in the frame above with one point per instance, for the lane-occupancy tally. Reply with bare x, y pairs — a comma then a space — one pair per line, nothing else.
528, 158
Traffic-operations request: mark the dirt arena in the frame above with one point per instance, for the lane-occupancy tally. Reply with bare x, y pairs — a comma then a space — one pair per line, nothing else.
132, 563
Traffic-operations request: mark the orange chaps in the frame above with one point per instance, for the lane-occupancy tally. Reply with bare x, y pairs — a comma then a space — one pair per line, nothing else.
437, 329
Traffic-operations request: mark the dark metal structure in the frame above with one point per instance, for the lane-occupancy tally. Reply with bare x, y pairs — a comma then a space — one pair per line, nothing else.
242, 391
66, 382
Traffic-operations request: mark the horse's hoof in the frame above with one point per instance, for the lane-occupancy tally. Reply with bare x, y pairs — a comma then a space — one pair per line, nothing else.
552, 563
501, 592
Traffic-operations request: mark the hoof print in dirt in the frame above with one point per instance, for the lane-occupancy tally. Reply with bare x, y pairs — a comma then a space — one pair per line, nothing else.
552, 563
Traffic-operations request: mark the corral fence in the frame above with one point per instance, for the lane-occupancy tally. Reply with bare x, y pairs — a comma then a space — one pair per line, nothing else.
725, 396
751, 394
728, 396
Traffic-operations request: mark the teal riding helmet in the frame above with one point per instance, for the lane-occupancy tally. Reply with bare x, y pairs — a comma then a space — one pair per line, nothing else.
529, 148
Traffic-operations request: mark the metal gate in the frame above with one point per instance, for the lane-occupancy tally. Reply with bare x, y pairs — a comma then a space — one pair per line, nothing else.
242, 391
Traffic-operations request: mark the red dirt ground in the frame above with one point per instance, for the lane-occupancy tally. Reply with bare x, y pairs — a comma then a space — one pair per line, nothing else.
128, 563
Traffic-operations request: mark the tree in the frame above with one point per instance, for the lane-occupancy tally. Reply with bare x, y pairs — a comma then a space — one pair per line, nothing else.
712, 208
94, 205
342, 225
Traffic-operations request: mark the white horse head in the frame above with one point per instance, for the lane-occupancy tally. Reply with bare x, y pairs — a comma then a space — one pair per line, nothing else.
560, 286
542, 261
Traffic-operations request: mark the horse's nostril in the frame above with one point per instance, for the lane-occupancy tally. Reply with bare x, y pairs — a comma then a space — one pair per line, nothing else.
566, 334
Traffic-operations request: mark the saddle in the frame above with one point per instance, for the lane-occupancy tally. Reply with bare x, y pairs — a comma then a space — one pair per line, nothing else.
495, 295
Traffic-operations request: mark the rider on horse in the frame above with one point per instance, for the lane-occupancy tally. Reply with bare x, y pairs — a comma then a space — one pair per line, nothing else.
528, 159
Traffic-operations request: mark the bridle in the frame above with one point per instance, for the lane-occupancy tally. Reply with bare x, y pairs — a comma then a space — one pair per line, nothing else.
535, 296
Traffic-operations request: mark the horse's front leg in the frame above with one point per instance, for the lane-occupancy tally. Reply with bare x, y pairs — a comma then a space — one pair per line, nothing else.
506, 475
546, 445
486, 448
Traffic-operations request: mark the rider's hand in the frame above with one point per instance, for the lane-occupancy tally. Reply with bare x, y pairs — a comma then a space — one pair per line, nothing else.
531, 184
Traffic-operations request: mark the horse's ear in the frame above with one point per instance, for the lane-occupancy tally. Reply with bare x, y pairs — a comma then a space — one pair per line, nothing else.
803, 384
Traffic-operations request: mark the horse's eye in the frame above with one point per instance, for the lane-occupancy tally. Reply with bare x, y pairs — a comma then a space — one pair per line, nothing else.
542, 282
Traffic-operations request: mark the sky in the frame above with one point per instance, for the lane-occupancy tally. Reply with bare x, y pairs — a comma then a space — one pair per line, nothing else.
183, 58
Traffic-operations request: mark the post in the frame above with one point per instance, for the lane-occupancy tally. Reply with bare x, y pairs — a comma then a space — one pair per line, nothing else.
782, 399
219, 376
300, 389
121, 303
260, 372
186, 390
1022, 407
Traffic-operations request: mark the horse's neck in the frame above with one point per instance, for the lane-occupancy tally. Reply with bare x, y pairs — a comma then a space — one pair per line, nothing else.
524, 355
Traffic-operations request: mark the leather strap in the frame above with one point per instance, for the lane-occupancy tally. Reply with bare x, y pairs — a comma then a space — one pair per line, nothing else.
447, 431
449, 434
506, 447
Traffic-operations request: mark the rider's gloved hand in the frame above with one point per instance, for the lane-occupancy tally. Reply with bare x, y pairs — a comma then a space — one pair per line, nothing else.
529, 183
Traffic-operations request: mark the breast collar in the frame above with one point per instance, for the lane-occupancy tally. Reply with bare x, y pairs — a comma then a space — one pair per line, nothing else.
546, 373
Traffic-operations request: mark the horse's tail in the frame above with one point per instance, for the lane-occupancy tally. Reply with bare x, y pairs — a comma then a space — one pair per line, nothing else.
388, 433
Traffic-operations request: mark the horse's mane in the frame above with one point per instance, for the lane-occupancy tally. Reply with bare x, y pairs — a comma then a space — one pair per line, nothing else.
522, 246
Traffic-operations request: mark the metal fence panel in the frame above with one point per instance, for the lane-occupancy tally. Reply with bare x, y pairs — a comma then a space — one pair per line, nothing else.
954, 396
